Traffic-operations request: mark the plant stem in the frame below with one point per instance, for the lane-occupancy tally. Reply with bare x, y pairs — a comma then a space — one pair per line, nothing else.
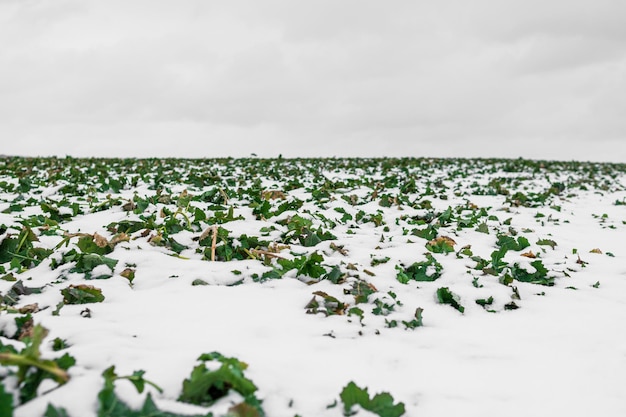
7, 358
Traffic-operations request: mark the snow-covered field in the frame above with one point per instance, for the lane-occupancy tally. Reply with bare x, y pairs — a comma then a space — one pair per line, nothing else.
459, 287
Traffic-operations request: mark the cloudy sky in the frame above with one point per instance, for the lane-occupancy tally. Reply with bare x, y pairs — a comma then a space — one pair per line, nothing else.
201, 78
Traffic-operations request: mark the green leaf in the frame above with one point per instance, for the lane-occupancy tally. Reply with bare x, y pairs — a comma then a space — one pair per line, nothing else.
429, 232
329, 306
85, 263
20, 252
540, 276
355, 311
446, 217
18, 289
509, 243
6, 402
87, 245
428, 270
496, 259
307, 266
352, 395
82, 294
511, 306
310, 239
445, 296
128, 226
52, 411
335, 275
8, 277
547, 242
382, 403
199, 215
379, 261
137, 380
441, 245
361, 291
109, 405
417, 321
484, 302
31, 369
65, 362
175, 246
184, 199
204, 386
8, 247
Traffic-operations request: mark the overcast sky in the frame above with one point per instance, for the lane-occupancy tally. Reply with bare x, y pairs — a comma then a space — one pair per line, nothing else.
200, 78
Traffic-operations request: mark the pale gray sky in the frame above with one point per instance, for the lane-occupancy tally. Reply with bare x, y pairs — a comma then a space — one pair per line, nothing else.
201, 78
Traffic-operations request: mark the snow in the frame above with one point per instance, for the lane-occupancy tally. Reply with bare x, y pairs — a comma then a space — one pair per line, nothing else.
562, 352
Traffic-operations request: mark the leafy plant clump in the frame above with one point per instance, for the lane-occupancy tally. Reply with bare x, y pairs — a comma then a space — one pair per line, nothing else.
109, 405
445, 296
205, 386
30, 369
82, 294
20, 251
441, 244
428, 270
381, 404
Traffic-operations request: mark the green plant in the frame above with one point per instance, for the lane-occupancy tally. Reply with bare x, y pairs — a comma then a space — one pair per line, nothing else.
441, 244
381, 404
326, 304
445, 296
82, 294
204, 386
539, 276
309, 266
30, 369
20, 250
109, 405
417, 321
428, 270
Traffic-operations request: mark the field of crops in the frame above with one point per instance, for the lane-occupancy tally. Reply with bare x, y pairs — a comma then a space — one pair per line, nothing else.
311, 287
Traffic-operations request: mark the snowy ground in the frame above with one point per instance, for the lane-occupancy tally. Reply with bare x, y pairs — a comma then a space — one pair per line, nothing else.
536, 350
